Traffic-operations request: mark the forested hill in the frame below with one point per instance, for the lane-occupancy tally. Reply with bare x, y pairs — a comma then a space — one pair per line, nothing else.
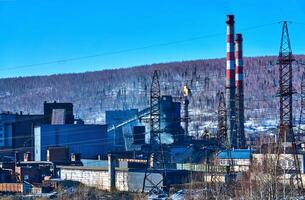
94, 92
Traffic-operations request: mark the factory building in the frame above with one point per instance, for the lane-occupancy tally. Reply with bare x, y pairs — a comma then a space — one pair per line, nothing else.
139, 135
125, 129
17, 129
88, 140
239, 159
170, 112
121, 136
16, 132
58, 113
114, 177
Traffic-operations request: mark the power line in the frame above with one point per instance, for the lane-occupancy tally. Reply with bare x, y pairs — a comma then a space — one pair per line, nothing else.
65, 60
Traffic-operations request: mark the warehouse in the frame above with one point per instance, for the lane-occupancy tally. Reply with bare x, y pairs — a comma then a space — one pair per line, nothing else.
113, 177
119, 135
16, 132
88, 140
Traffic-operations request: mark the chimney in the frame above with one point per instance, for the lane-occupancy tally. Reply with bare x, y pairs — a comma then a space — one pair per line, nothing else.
239, 76
230, 83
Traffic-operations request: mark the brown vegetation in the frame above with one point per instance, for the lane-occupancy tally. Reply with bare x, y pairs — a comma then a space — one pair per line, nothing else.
111, 89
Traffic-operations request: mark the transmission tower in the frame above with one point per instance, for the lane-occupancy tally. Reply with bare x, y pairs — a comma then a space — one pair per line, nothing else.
155, 157
301, 132
222, 119
286, 135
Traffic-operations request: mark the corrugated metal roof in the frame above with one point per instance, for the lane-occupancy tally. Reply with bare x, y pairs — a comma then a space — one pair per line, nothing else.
94, 163
235, 154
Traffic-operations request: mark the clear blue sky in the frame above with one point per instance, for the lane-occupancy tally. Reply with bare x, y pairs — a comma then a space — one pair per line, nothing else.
38, 31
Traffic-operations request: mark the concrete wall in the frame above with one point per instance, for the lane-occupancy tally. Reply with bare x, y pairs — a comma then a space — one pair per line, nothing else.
121, 180
90, 177
96, 177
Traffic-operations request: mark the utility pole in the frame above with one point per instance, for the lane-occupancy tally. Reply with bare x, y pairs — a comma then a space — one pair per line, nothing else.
286, 135
155, 157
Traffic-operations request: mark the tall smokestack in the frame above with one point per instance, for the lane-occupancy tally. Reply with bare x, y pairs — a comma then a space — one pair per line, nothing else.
230, 83
239, 76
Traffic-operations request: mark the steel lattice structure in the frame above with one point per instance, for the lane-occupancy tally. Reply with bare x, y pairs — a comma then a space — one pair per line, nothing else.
285, 60
286, 135
155, 157
222, 119
301, 132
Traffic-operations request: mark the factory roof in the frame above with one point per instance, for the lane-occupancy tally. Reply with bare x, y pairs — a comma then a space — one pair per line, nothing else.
120, 169
235, 154
94, 163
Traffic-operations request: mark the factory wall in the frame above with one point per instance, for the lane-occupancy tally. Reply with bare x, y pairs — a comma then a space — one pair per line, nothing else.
171, 117
88, 140
94, 177
117, 116
17, 131
120, 136
125, 180
49, 108
6, 129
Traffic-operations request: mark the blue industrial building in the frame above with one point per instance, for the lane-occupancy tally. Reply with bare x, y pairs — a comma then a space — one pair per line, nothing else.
17, 129
121, 137
239, 158
16, 132
58, 113
88, 140
235, 154
170, 124
170, 112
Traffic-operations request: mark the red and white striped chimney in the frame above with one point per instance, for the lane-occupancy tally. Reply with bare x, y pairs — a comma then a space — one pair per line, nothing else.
230, 83
239, 76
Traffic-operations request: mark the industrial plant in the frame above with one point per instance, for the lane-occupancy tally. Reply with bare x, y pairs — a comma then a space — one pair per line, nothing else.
151, 151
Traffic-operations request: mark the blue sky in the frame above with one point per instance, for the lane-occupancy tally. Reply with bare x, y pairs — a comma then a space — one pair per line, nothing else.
36, 31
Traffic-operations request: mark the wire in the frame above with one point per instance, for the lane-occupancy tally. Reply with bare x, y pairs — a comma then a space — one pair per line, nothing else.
65, 60
299, 23
86, 142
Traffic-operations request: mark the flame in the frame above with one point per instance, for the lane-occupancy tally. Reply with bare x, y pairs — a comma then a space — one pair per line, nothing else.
185, 91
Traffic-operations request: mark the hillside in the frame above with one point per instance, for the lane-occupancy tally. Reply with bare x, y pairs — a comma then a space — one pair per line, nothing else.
94, 92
